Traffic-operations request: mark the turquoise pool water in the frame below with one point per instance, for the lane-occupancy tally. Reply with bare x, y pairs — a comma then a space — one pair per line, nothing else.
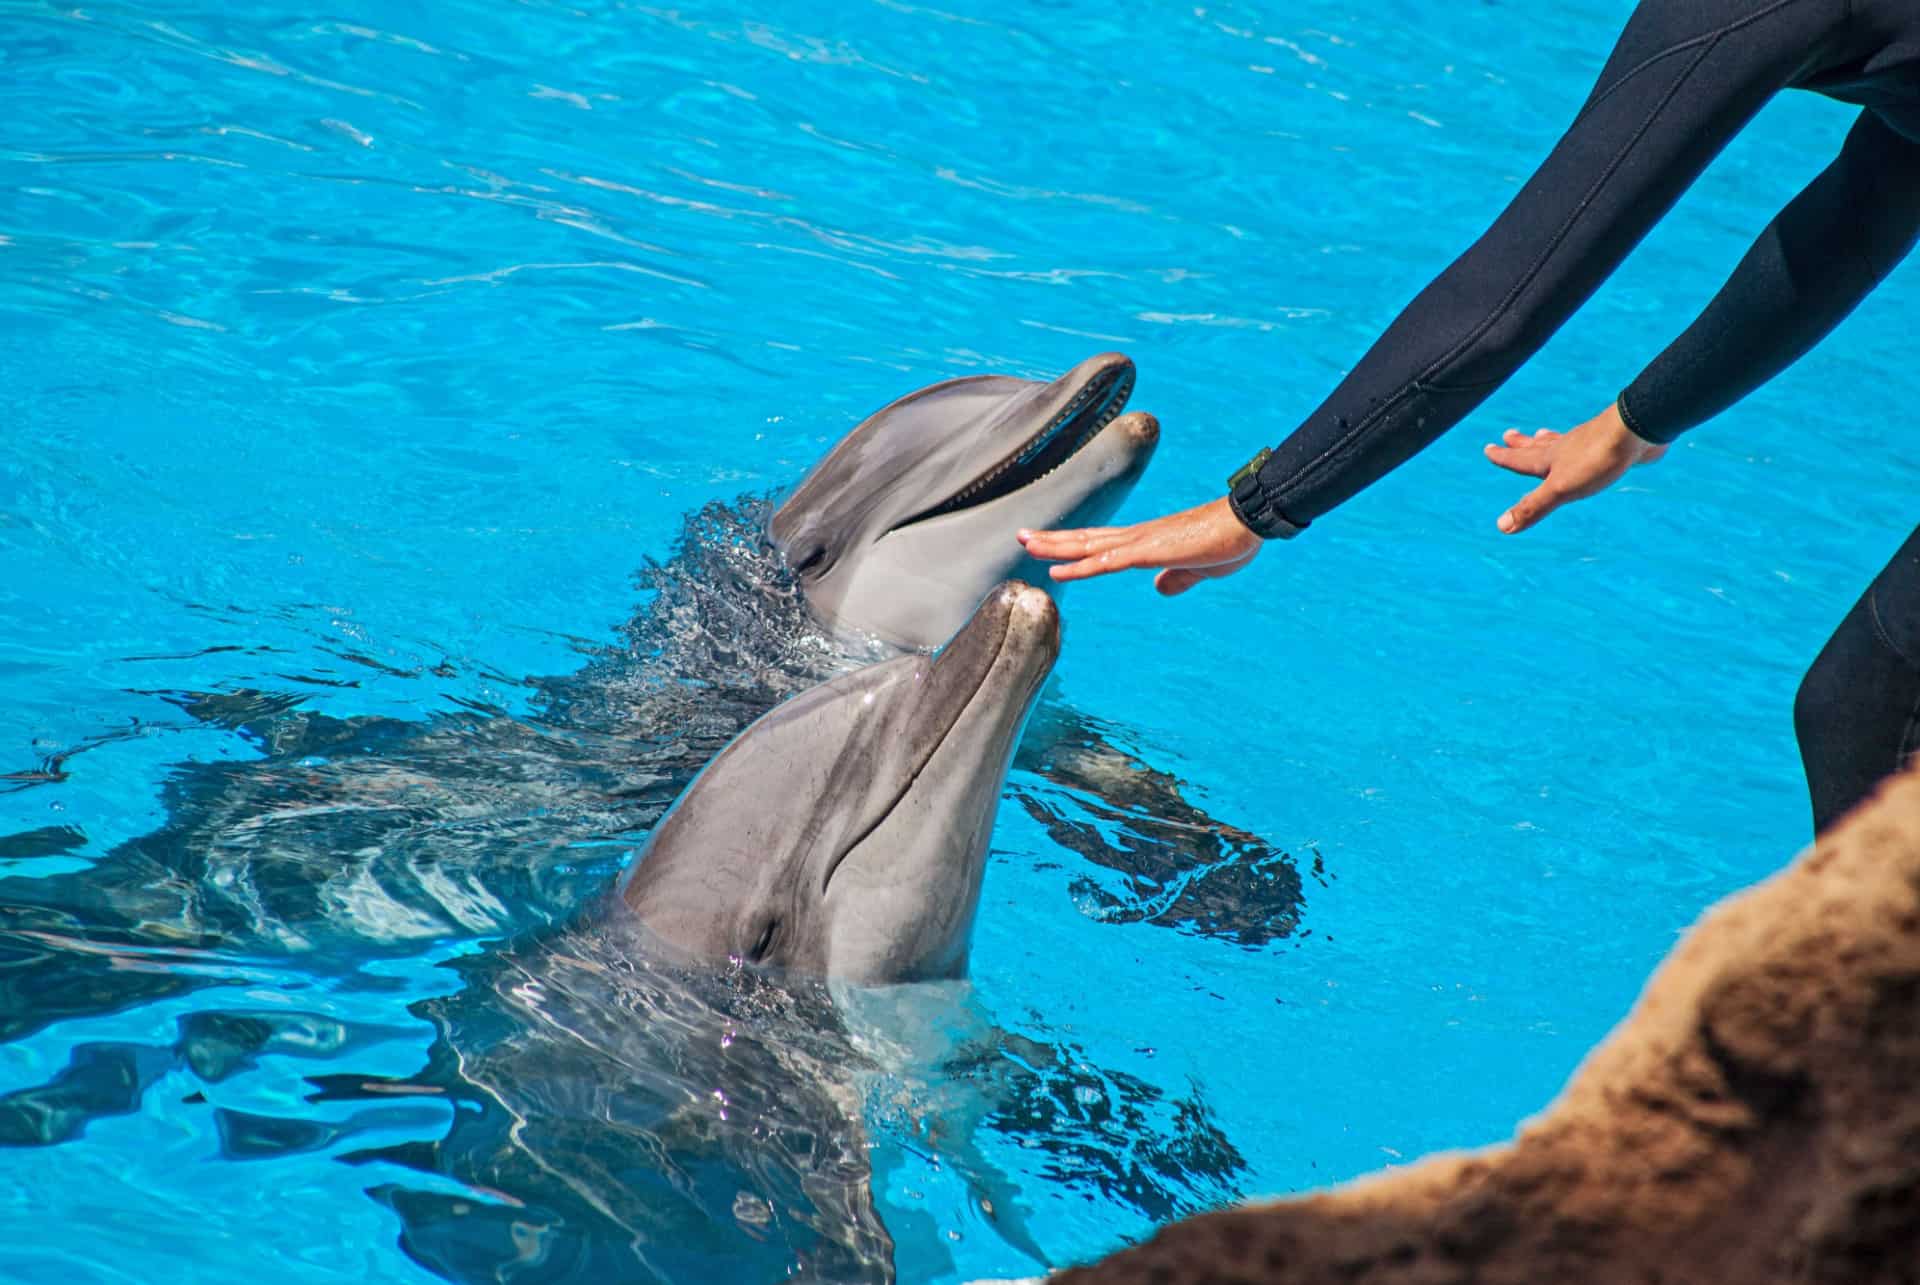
357, 358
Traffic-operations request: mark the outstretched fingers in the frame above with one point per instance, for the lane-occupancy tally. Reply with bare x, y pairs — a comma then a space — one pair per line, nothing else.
1099, 550
1529, 455
1094, 551
1533, 506
1122, 557
1080, 543
1208, 540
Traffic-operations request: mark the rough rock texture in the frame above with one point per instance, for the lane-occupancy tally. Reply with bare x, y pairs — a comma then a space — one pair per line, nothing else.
1755, 1119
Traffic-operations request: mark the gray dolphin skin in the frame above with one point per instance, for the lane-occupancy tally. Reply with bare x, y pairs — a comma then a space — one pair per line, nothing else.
910, 519
844, 834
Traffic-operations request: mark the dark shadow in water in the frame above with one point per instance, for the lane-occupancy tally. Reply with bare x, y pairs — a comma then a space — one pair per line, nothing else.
99, 1080
111, 1079
55, 966
1165, 860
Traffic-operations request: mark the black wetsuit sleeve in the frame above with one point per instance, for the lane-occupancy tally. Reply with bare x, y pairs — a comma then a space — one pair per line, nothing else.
1832, 245
1686, 76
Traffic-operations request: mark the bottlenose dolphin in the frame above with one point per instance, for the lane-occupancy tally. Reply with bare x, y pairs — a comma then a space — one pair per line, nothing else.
840, 838
905, 524
844, 834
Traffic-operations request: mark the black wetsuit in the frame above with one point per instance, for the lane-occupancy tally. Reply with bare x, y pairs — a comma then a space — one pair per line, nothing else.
1686, 76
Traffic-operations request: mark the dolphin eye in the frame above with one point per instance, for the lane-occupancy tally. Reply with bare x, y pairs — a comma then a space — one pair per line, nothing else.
765, 943
811, 561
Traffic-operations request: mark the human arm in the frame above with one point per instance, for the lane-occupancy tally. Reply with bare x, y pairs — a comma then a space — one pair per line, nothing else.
1812, 265
1683, 80
1808, 270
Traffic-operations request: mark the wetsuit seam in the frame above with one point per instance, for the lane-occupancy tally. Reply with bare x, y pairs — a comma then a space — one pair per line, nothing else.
1425, 377
1470, 386
1880, 631
1908, 741
1707, 37
1644, 65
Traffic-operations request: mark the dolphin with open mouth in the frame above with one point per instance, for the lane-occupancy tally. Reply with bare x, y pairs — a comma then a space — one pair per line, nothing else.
889, 779
909, 521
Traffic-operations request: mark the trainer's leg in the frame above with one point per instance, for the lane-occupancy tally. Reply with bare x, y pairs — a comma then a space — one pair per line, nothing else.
1858, 710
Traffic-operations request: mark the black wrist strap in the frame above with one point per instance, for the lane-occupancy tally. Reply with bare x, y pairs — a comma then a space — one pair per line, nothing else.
1253, 504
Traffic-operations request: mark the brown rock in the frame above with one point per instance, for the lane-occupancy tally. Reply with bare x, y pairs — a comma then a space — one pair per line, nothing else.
1756, 1119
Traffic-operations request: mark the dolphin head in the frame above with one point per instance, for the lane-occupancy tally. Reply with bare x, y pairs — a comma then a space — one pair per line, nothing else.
903, 527
844, 834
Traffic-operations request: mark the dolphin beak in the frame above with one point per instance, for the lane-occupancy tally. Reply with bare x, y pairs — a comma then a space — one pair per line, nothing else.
1132, 438
1033, 621
1015, 621
1010, 644
1140, 429
1106, 367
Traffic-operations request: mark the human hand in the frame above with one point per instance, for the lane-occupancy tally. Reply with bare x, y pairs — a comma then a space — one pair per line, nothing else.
1201, 543
1572, 465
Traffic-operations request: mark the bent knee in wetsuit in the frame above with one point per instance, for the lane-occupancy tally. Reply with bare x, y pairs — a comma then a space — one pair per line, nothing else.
1857, 713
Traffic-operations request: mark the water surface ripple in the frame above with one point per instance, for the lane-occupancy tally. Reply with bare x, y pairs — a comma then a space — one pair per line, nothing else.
384, 384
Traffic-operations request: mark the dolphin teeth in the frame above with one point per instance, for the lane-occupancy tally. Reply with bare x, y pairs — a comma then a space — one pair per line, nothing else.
1114, 394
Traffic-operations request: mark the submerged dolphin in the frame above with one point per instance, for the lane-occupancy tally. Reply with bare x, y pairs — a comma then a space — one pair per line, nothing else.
844, 834
909, 521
